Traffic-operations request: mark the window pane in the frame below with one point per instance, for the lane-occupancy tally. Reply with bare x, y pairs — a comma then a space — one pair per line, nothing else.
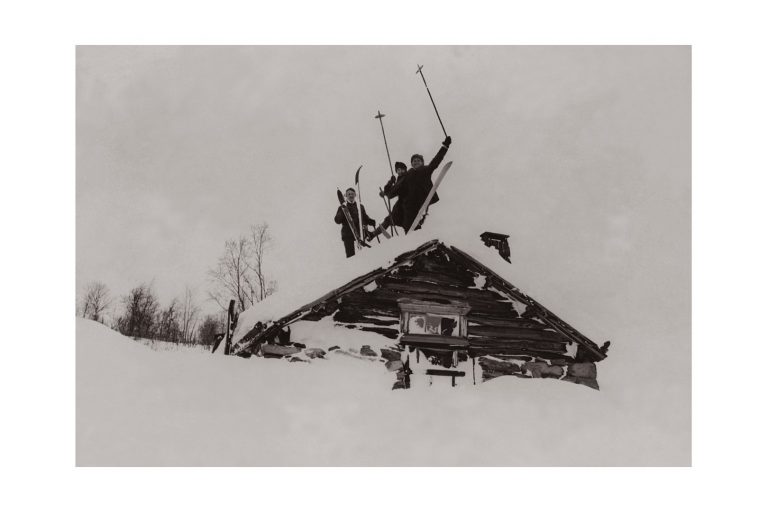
439, 325
433, 324
448, 326
416, 324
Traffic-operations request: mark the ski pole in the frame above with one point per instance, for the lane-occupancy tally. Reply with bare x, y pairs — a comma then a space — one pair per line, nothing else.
389, 210
420, 72
393, 229
359, 202
360, 205
379, 116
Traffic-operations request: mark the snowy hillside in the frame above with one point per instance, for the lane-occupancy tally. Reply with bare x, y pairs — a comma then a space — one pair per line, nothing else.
136, 406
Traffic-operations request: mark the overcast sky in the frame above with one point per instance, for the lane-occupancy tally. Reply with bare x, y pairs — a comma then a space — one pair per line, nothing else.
179, 149
580, 154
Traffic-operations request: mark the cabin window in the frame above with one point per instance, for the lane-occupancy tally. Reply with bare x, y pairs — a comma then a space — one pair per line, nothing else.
425, 318
427, 323
438, 331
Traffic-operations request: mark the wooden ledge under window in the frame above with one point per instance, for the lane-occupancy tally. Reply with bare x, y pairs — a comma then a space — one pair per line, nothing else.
432, 340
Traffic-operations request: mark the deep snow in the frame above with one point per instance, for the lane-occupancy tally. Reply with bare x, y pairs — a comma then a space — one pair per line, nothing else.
136, 406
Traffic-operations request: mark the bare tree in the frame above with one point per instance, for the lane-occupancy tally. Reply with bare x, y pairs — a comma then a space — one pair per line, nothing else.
230, 277
260, 240
188, 317
139, 317
95, 300
167, 323
240, 273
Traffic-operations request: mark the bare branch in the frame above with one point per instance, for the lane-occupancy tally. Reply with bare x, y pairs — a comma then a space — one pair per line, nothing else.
95, 300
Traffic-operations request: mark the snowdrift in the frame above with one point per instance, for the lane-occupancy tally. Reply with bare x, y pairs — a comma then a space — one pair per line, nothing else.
139, 407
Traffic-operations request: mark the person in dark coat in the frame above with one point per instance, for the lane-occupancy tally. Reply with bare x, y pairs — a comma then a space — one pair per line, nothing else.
397, 210
416, 183
346, 233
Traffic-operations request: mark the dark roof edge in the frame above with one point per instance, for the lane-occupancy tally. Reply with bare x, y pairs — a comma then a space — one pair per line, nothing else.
547, 316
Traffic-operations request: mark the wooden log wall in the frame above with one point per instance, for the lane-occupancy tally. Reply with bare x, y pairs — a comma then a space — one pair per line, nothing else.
494, 324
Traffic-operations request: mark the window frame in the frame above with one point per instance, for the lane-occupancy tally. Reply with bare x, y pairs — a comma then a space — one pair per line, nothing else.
409, 307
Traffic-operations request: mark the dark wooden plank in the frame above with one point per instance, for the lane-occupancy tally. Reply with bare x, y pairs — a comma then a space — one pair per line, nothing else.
419, 340
445, 373
428, 288
515, 333
489, 305
442, 279
513, 322
353, 317
507, 342
486, 300
515, 352
392, 334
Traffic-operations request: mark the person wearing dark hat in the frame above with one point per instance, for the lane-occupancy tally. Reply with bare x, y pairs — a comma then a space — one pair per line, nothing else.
396, 217
346, 233
414, 186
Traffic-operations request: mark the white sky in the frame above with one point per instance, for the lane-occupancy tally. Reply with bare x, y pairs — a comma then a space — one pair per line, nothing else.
581, 154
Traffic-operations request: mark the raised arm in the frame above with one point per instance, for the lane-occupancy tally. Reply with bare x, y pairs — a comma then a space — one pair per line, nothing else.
439, 156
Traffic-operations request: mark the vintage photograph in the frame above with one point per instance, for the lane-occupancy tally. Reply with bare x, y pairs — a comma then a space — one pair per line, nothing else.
383, 256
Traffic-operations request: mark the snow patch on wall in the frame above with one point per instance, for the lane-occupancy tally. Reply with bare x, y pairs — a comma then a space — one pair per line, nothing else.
516, 304
326, 333
480, 282
392, 319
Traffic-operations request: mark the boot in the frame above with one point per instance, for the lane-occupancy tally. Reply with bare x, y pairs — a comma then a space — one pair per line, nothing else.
370, 235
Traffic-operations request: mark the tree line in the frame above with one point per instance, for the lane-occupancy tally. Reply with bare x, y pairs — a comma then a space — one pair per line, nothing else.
240, 273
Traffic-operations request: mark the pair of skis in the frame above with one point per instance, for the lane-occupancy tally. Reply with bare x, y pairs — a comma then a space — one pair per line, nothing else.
358, 240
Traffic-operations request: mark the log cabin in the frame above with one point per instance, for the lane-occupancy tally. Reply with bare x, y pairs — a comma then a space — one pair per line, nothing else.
438, 313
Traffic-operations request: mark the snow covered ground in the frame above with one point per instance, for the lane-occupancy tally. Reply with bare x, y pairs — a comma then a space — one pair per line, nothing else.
168, 346
137, 406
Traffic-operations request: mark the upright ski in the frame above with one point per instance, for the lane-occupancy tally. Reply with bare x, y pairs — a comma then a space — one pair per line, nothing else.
423, 210
359, 201
229, 328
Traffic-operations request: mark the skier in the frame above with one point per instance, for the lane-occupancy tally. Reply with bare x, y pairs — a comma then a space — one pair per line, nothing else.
414, 186
397, 210
347, 236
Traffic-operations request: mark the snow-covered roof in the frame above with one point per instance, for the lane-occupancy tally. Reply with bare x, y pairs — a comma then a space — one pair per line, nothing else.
311, 283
